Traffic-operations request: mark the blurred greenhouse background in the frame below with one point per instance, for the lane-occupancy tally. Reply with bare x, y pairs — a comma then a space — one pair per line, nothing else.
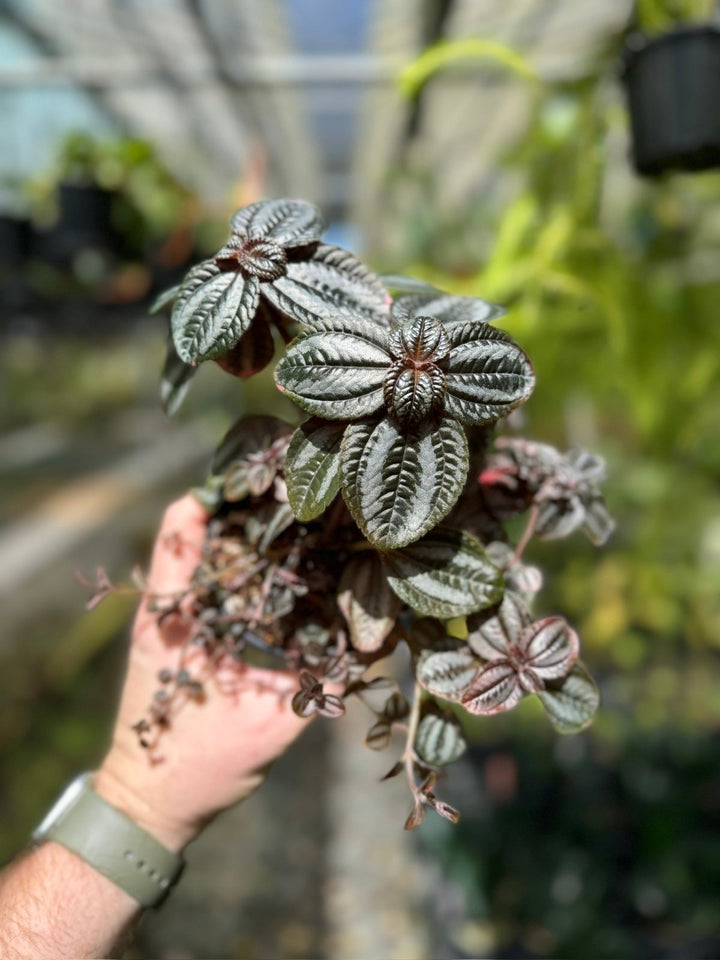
481, 145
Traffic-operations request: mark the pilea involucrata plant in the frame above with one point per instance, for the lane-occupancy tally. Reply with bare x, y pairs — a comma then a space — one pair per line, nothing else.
380, 514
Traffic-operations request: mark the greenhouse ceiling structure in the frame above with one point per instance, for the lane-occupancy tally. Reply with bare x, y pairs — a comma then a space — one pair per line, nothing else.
307, 89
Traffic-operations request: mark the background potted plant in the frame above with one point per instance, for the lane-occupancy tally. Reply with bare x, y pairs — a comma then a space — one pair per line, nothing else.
672, 76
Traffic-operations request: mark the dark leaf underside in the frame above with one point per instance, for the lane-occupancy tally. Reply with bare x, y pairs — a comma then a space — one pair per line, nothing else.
254, 350
367, 602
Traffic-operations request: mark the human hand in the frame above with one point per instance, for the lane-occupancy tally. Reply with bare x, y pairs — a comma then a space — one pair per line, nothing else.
217, 750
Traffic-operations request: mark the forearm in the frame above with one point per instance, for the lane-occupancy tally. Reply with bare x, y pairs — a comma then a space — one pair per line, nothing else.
54, 906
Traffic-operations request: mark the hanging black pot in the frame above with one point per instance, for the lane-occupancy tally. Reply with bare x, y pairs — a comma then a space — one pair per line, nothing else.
84, 221
673, 86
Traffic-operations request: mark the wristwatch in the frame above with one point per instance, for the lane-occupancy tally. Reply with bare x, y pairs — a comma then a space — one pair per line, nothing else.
111, 843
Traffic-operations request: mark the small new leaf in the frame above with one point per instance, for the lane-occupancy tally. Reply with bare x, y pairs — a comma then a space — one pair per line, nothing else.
446, 574
439, 740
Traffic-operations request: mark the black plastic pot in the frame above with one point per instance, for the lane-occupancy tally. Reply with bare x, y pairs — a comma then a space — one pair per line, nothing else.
14, 240
673, 86
84, 221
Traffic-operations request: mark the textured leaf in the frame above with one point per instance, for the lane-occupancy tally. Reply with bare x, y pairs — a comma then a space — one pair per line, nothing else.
493, 633
393, 281
413, 395
282, 517
571, 703
550, 647
439, 740
445, 307
447, 673
164, 299
290, 223
598, 524
379, 736
312, 467
175, 380
446, 574
495, 689
252, 353
399, 485
487, 375
248, 436
337, 370
367, 602
420, 340
212, 311
331, 283
559, 518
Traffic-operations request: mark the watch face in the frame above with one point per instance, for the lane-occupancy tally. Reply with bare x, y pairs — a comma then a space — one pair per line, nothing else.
66, 799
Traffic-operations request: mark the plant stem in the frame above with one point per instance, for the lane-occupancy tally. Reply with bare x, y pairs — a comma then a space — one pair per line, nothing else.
409, 755
526, 534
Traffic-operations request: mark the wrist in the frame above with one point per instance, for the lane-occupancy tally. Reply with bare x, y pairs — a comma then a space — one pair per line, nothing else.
143, 804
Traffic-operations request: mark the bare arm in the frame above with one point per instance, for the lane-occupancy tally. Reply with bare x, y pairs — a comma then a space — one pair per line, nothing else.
54, 905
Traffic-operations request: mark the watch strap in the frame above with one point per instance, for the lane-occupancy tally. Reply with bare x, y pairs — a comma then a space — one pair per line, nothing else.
113, 844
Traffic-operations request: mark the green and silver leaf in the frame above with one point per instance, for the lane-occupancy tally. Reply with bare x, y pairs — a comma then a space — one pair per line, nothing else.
446, 574
447, 673
312, 467
439, 740
487, 375
399, 485
333, 282
571, 703
290, 223
336, 370
445, 307
212, 311
174, 380
164, 299
367, 602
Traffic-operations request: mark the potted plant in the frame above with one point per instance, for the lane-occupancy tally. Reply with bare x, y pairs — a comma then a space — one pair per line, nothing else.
392, 515
672, 76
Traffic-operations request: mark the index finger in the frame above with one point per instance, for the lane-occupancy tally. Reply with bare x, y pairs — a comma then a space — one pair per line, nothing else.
178, 547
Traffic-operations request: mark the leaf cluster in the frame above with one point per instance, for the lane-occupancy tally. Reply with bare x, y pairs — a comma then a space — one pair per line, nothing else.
382, 515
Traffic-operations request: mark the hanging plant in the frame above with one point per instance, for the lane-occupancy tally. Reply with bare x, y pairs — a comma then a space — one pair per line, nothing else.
382, 515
